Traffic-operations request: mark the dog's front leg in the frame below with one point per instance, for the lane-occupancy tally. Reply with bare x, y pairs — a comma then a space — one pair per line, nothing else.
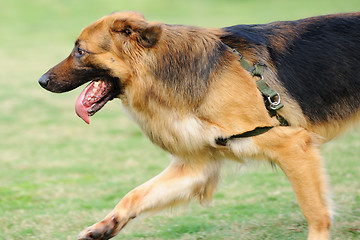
182, 181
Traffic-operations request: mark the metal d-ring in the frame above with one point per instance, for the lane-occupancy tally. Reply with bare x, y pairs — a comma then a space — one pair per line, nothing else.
273, 105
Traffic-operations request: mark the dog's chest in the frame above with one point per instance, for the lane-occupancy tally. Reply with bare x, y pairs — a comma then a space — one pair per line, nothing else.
171, 131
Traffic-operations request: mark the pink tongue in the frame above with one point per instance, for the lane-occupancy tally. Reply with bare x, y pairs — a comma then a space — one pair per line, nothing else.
80, 109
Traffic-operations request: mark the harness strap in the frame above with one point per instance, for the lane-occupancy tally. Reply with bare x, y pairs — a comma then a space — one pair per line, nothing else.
271, 99
257, 131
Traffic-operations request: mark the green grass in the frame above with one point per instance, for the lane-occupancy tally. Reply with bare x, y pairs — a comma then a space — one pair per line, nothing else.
58, 175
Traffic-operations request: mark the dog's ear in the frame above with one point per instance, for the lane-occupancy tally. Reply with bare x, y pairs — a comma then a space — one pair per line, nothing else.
150, 35
146, 35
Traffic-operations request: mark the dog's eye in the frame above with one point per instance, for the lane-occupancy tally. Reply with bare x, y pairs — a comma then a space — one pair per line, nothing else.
127, 31
80, 52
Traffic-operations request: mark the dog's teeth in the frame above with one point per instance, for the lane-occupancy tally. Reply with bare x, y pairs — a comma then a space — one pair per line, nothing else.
96, 84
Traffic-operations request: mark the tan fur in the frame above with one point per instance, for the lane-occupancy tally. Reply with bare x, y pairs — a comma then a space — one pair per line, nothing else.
186, 124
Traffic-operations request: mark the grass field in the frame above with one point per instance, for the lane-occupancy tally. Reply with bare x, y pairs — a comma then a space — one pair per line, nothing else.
58, 175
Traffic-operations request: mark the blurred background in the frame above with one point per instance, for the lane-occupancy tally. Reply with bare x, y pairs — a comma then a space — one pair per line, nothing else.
59, 175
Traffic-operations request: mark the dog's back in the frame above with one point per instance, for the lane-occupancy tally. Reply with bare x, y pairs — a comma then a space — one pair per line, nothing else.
315, 59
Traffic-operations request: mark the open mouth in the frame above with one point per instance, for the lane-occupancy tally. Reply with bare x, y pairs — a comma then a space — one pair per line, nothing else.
94, 97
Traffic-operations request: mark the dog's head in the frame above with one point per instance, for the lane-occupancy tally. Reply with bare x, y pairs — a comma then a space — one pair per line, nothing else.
103, 55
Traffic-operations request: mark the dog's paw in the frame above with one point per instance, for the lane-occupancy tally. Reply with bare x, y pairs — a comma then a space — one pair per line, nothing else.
103, 230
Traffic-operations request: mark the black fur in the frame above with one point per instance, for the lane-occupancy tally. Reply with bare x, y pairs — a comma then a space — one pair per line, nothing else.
317, 60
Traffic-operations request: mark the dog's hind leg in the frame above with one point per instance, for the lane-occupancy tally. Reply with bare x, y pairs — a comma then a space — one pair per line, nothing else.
182, 181
298, 156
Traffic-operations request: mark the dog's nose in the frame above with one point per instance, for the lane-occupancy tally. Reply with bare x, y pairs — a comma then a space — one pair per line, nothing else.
44, 81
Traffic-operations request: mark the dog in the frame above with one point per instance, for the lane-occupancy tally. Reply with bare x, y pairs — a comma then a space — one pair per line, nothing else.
275, 91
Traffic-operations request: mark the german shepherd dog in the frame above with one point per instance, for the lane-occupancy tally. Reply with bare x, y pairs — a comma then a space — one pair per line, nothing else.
190, 93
